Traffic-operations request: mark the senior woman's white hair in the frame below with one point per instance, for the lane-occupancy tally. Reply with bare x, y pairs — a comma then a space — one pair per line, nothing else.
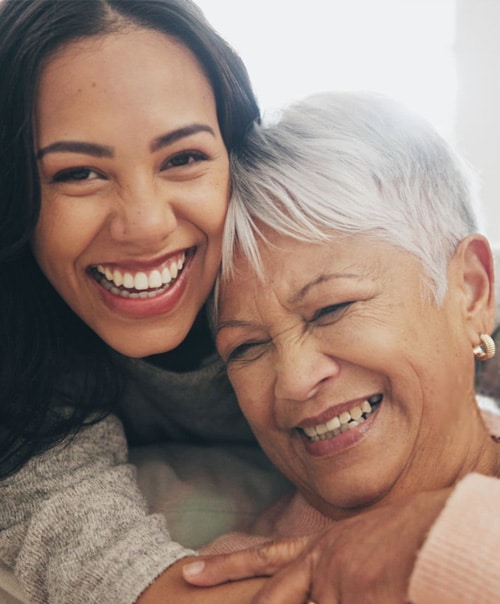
351, 164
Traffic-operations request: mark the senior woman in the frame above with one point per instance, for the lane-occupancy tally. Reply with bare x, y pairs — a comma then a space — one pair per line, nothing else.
355, 297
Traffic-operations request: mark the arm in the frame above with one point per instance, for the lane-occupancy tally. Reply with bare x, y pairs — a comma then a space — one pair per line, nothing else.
441, 546
170, 586
368, 557
75, 526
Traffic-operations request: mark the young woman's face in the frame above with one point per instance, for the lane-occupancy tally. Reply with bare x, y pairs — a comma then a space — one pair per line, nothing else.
135, 183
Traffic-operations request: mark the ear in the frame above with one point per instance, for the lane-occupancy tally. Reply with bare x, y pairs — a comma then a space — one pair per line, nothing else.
474, 262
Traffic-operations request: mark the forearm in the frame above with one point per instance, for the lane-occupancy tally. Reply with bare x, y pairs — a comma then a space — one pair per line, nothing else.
76, 528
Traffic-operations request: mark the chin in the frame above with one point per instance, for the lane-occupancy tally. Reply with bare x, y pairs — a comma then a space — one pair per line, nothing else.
137, 345
348, 498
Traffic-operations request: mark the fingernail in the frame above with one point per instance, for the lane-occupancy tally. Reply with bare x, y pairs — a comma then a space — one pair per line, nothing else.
193, 568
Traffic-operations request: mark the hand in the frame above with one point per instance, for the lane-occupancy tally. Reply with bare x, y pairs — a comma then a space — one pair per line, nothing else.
366, 558
170, 587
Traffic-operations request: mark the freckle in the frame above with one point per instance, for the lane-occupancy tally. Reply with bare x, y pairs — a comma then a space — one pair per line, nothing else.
93, 84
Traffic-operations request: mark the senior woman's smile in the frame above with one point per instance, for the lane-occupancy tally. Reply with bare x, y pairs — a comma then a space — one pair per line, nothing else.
347, 369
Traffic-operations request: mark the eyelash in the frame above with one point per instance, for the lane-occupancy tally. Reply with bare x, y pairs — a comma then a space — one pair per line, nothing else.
74, 175
237, 353
81, 174
187, 158
329, 310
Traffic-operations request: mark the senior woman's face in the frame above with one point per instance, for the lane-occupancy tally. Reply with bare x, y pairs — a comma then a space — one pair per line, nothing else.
134, 179
356, 385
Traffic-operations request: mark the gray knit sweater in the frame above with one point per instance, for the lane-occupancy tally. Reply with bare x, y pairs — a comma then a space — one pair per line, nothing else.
73, 523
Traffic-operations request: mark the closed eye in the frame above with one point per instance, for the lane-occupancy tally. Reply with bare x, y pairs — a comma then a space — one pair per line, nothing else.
247, 351
330, 313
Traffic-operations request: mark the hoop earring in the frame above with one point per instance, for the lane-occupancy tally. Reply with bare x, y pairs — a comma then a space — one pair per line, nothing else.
485, 350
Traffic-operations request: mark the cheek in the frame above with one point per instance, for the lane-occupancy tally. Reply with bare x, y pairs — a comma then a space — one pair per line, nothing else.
206, 214
214, 201
216, 218
47, 241
63, 233
254, 397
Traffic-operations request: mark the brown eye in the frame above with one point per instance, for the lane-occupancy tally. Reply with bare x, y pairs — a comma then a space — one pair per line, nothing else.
185, 158
76, 175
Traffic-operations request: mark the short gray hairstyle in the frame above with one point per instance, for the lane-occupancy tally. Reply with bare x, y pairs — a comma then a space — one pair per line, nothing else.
351, 164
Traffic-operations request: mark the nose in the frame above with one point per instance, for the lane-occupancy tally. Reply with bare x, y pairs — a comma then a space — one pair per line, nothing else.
301, 370
144, 215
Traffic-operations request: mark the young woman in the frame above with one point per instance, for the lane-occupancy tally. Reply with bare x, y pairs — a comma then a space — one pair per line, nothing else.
116, 118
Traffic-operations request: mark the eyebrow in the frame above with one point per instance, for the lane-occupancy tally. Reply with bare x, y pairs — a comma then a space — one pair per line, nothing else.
233, 323
76, 147
236, 323
300, 295
97, 150
175, 135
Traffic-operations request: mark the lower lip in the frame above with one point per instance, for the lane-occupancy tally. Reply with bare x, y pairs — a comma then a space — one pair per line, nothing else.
143, 308
341, 442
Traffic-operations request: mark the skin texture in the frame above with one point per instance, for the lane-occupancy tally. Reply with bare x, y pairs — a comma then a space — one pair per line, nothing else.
170, 586
134, 172
154, 183
366, 558
330, 325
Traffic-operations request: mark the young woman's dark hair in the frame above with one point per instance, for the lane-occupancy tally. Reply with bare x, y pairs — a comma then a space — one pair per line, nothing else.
41, 339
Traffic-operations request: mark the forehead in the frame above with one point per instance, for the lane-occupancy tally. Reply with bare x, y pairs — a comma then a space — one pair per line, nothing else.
293, 270
124, 68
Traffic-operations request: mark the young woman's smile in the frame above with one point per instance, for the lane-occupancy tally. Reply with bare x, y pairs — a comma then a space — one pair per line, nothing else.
134, 178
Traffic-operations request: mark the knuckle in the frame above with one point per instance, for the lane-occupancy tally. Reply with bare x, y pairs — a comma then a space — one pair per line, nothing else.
265, 555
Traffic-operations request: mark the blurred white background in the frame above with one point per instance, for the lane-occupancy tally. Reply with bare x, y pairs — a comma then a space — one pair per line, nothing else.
441, 57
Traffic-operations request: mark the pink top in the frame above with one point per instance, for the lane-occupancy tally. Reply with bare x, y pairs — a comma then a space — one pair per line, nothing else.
459, 562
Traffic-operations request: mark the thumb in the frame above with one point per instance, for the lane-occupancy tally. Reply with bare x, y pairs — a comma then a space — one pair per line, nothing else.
263, 560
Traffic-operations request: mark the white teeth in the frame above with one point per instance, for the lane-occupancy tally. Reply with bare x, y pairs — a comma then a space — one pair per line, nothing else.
333, 424
356, 412
141, 281
321, 429
347, 420
128, 281
345, 417
117, 278
155, 280
366, 407
166, 276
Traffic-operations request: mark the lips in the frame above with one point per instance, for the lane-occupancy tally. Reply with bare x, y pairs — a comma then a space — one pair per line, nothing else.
135, 284
345, 421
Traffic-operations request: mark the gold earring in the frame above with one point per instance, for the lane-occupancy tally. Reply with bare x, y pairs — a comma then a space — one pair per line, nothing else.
485, 350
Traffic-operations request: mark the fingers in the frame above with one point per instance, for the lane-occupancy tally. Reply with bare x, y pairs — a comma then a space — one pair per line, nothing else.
290, 585
260, 561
